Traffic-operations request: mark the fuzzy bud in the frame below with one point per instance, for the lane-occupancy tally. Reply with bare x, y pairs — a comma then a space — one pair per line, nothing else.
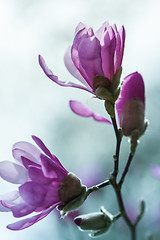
98, 222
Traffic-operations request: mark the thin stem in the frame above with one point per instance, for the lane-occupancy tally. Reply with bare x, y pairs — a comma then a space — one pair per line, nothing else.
118, 138
126, 169
131, 226
98, 186
117, 186
103, 184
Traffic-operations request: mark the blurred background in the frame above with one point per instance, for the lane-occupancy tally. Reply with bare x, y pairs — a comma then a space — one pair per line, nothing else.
30, 103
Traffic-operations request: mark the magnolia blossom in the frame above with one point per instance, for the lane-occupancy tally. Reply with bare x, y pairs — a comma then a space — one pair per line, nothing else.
92, 54
44, 183
130, 105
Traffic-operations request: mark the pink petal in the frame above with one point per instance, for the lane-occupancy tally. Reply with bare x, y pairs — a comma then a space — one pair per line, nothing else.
58, 162
51, 197
120, 41
29, 221
27, 150
37, 176
32, 193
80, 26
133, 87
27, 163
13, 172
89, 52
80, 36
99, 33
108, 45
42, 146
55, 79
3, 209
46, 151
81, 110
11, 196
18, 207
51, 169
73, 70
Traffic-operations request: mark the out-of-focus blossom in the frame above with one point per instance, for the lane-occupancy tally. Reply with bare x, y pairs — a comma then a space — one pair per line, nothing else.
130, 105
155, 170
82, 110
44, 184
92, 55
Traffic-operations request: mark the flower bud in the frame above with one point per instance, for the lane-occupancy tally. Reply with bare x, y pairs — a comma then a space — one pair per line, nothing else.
98, 222
72, 193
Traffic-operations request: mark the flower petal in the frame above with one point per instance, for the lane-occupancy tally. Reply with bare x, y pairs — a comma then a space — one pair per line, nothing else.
51, 197
80, 36
81, 110
13, 172
18, 206
108, 45
37, 176
51, 169
25, 223
89, 52
99, 33
55, 79
27, 150
42, 146
3, 209
27, 163
80, 26
32, 193
120, 41
72, 69
11, 196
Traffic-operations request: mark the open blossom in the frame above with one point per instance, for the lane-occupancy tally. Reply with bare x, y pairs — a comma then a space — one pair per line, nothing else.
131, 104
91, 55
44, 184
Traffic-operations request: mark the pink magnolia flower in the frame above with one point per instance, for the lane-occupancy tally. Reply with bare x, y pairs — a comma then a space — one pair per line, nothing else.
91, 54
130, 105
44, 183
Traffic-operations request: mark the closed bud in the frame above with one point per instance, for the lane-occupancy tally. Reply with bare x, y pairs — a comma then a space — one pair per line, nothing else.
97, 222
